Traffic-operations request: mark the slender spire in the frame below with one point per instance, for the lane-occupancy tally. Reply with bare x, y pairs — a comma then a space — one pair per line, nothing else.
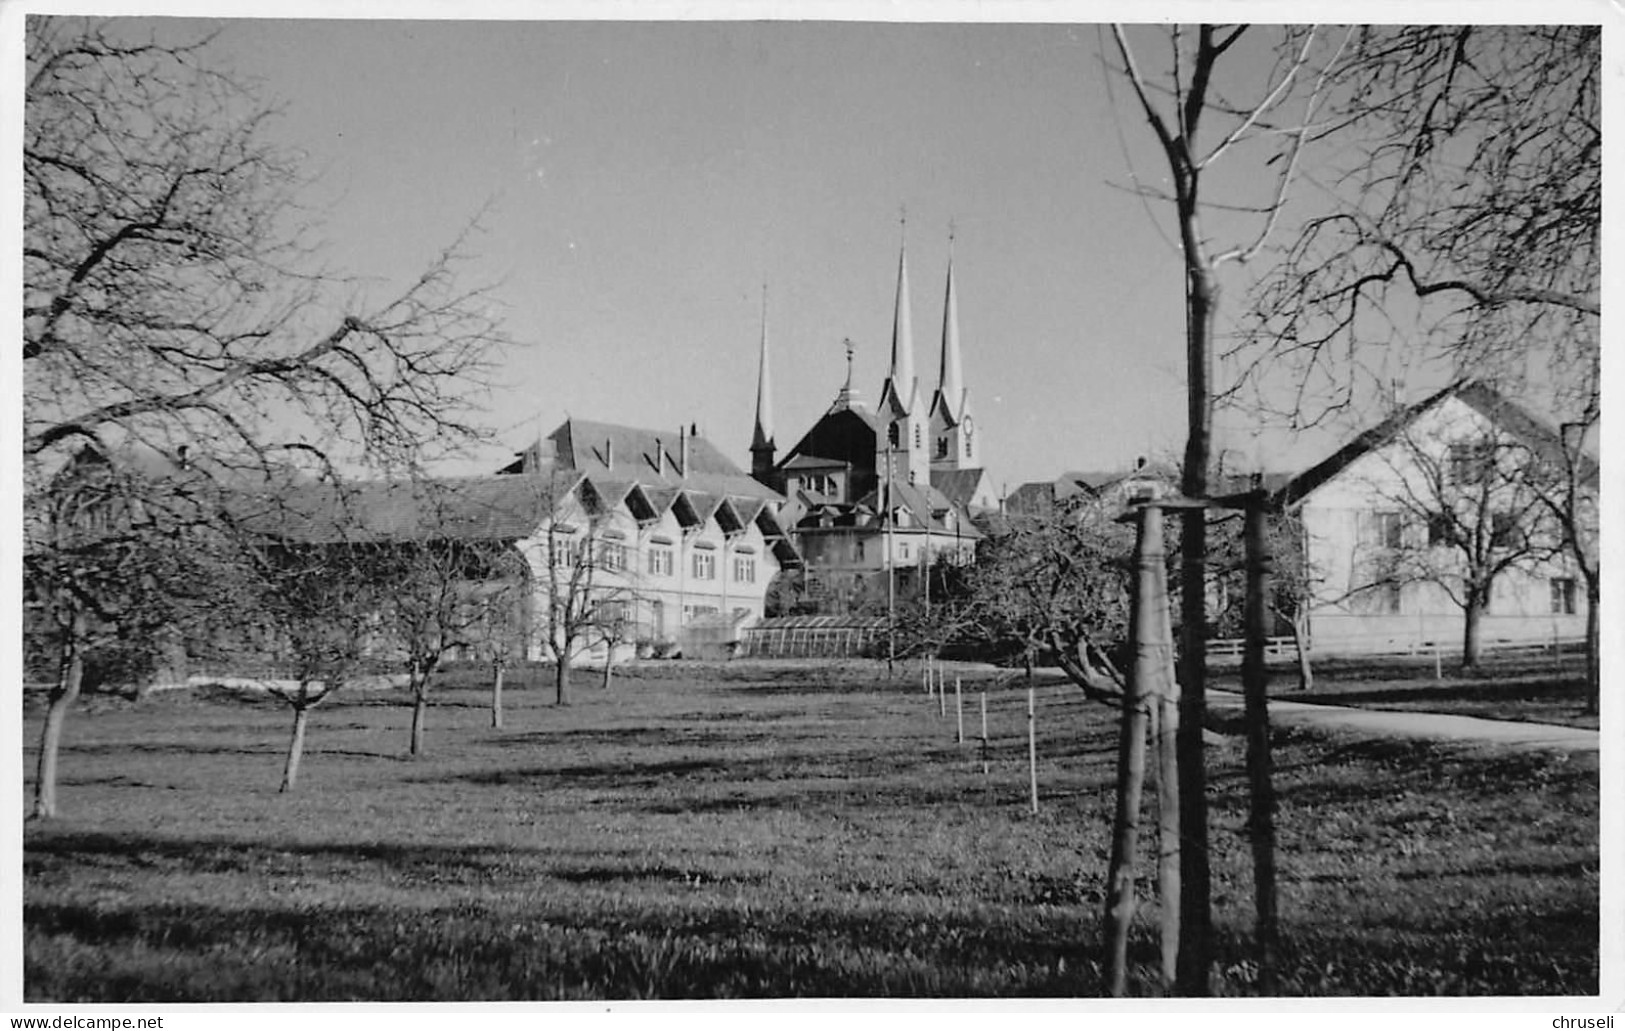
900, 380
762, 445
763, 436
950, 382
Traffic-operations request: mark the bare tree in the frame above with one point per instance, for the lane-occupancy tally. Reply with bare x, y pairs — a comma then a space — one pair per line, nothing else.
1191, 102
1056, 583
1460, 512
173, 295
314, 611
171, 288
589, 591
110, 558
1462, 205
1568, 491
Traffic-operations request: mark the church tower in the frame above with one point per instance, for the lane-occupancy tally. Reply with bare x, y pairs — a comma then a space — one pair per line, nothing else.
762, 445
953, 429
902, 418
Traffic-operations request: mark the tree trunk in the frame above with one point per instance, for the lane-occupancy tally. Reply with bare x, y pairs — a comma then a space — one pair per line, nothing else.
1195, 880
1261, 818
609, 665
296, 747
66, 692
420, 712
498, 668
1471, 628
1593, 646
1300, 642
561, 679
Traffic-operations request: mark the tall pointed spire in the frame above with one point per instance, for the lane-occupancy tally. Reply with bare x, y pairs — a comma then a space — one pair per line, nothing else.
950, 382
901, 386
762, 445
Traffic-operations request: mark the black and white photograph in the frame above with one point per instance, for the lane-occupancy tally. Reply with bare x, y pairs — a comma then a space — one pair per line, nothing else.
810, 503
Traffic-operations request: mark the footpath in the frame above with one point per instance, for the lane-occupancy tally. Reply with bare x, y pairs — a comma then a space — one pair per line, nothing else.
1430, 726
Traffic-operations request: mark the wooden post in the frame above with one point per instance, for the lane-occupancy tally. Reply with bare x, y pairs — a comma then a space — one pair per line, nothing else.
1255, 681
942, 697
1148, 666
959, 714
1032, 744
984, 733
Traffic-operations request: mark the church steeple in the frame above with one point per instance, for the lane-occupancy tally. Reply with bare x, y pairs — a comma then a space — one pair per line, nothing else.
762, 445
900, 393
953, 431
950, 395
902, 438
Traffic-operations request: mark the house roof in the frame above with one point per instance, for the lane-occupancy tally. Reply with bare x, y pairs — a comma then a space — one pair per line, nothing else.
475, 508
1530, 430
648, 457
958, 485
926, 504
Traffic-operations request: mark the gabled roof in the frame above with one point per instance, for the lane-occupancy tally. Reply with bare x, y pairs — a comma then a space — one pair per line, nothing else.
923, 504
1510, 417
958, 485
653, 458
476, 508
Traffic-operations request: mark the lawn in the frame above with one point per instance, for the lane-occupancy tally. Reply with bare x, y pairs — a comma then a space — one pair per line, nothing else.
694, 833
1528, 689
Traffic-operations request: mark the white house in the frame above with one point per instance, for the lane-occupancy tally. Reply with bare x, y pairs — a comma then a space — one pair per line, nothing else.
1401, 526
675, 545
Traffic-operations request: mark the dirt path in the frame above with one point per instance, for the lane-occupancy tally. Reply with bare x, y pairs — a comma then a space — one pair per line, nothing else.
1430, 726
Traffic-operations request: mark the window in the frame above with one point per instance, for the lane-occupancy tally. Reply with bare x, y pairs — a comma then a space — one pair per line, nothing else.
857, 550
612, 555
942, 447
566, 551
903, 550
1563, 596
893, 434
744, 569
1471, 462
659, 561
1504, 530
967, 446
705, 566
918, 441
1441, 530
1384, 530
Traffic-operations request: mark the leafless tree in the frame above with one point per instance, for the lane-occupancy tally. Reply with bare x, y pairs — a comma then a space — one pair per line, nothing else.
173, 293
1460, 221
1462, 513
172, 290
111, 558
314, 614
1197, 125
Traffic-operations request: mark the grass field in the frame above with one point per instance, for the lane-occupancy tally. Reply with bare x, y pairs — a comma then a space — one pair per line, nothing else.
1506, 688
790, 833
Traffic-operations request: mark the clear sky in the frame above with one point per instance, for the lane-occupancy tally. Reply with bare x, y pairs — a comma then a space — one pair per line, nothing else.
642, 181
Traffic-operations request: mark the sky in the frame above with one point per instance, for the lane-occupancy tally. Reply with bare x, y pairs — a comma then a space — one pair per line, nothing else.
639, 185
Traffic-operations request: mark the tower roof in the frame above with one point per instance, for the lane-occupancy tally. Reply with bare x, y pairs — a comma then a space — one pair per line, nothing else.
900, 391
950, 395
762, 438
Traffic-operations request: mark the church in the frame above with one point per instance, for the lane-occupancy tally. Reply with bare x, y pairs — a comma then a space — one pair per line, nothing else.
890, 489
